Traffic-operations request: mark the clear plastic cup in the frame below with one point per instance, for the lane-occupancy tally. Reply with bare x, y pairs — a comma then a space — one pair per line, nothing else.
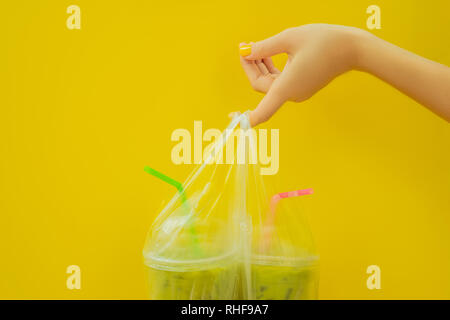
205, 279
276, 278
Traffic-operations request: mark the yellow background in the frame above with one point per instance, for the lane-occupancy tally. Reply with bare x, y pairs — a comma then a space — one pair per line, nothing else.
82, 112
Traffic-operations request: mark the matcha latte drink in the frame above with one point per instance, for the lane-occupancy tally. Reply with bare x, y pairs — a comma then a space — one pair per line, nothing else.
190, 268
207, 279
183, 265
275, 279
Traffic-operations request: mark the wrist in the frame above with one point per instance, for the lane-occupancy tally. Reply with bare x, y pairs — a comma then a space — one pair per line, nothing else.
351, 48
361, 42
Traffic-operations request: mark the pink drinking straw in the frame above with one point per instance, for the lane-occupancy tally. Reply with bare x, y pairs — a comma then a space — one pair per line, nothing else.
273, 205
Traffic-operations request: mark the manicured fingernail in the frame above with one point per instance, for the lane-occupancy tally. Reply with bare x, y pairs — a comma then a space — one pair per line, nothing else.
245, 50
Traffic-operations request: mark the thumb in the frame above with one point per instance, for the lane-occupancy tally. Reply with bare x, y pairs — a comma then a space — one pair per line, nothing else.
265, 48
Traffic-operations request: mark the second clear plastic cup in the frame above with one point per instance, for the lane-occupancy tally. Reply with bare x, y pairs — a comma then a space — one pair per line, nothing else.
275, 278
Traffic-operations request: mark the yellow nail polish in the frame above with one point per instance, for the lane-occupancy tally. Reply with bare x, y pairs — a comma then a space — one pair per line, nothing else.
245, 50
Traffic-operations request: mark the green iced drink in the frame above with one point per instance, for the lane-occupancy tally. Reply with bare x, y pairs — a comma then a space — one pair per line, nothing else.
207, 280
179, 268
277, 282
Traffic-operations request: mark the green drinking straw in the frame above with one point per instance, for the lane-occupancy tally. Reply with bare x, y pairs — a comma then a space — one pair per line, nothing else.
169, 180
184, 202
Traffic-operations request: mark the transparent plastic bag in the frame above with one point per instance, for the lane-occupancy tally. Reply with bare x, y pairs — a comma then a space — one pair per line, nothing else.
223, 236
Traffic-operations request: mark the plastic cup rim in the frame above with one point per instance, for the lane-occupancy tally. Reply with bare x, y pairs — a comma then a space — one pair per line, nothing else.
168, 264
262, 259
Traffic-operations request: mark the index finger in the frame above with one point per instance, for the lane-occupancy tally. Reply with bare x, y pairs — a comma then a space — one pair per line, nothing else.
271, 102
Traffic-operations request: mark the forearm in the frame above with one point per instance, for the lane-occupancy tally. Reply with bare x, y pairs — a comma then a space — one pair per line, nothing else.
425, 81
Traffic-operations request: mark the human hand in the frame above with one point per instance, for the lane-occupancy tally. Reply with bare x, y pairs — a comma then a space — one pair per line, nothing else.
317, 53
